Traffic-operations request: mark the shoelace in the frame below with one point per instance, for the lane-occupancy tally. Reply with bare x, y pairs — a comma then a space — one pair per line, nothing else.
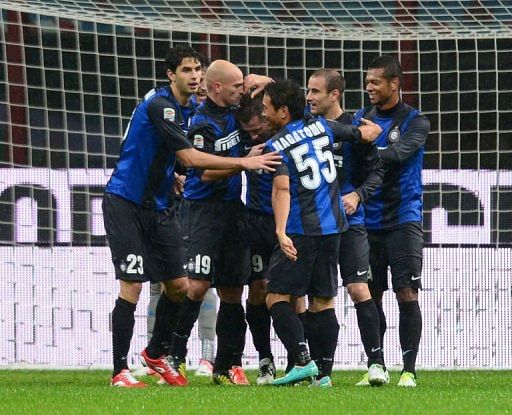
169, 360
129, 377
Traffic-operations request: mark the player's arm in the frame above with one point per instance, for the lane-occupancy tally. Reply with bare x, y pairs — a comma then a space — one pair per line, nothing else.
256, 83
212, 175
409, 143
368, 176
373, 171
281, 207
366, 133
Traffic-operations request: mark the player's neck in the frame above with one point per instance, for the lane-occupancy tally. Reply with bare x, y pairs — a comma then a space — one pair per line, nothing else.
390, 103
334, 113
182, 99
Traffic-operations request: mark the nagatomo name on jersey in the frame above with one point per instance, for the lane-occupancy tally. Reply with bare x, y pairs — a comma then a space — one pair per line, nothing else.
306, 147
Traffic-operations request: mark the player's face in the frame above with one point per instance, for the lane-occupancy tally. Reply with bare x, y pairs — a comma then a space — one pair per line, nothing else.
271, 114
381, 91
320, 101
187, 77
232, 88
201, 90
258, 128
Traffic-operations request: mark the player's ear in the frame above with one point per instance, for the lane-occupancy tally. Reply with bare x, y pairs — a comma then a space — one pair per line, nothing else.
170, 75
395, 84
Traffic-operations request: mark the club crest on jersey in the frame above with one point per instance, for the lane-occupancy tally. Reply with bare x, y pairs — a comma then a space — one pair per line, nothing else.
169, 114
394, 135
198, 141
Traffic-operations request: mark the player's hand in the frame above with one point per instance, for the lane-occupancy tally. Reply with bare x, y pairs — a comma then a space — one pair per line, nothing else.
351, 202
369, 131
256, 83
179, 183
287, 247
267, 162
256, 150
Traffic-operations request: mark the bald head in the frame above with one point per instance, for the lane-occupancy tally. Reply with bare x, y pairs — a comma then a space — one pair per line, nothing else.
224, 82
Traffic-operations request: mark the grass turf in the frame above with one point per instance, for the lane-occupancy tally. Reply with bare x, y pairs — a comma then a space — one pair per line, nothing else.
88, 392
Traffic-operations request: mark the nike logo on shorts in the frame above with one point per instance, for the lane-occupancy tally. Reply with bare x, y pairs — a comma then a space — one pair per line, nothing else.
415, 278
359, 273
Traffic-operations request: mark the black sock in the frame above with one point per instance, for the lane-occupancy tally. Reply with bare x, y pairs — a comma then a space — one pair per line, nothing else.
410, 326
184, 325
258, 319
230, 329
166, 315
311, 334
290, 357
368, 322
326, 339
382, 326
290, 331
123, 320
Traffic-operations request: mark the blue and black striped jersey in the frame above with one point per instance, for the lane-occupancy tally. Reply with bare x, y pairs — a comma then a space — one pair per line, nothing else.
214, 130
359, 170
401, 146
144, 173
315, 201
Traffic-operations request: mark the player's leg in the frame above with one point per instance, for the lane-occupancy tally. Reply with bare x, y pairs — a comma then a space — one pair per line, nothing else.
293, 279
406, 265
377, 284
206, 325
260, 230
354, 268
300, 308
202, 233
232, 275
124, 234
321, 315
165, 263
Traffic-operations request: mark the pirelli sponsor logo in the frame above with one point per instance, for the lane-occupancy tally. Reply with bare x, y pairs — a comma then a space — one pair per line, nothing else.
228, 142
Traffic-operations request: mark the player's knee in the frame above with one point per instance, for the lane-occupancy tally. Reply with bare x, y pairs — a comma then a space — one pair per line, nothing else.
257, 292
130, 291
320, 304
197, 289
177, 289
358, 292
404, 295
231, 295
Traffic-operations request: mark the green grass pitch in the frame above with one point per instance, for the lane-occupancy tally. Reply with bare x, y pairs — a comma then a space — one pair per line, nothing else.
31, 392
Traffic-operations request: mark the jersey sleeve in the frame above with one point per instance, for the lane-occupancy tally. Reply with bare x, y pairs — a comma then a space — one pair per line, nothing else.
415, 136
343, 132
170, 131
368, 178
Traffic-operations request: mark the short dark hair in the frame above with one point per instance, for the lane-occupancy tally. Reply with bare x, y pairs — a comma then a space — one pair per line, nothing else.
391, 66
333, 79
249, 107
175, 56
287, 93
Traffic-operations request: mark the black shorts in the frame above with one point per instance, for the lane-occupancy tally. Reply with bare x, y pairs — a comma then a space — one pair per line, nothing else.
402, 250
314, 273
216, 249
146, 244
260, 231
354, 255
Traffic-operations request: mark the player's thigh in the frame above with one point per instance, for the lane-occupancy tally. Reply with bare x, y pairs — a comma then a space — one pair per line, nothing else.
405, 250
292, 277
202, 228
166, 256
260, 234
233, 265
379, 263
354, 255
324, 281
124, 226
